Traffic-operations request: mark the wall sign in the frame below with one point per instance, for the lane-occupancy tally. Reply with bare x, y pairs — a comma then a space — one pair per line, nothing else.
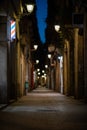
13, 30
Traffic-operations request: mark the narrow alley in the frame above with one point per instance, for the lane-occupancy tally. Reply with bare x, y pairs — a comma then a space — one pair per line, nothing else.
44, 109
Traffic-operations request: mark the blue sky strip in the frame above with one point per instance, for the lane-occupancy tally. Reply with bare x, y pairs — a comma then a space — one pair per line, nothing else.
41, 15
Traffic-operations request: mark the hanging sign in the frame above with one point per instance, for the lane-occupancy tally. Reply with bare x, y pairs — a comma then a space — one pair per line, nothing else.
13, 30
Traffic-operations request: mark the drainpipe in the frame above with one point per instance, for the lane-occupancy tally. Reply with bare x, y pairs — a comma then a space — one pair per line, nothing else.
18, 61
85, 57
66, 68
76, 60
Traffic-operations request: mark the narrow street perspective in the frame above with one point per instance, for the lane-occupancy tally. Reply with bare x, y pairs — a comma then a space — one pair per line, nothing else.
43, 64
44, 109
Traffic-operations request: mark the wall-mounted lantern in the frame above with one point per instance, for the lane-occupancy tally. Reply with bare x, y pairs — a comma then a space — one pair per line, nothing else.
30, 8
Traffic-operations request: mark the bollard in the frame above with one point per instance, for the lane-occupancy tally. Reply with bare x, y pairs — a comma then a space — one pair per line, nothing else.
26, 87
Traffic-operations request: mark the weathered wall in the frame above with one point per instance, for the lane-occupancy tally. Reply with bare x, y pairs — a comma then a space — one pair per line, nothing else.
3, 74
3, 60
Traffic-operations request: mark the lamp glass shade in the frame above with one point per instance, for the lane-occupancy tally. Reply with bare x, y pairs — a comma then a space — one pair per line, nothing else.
49, 56
57, 28
46, 66
35, 47
30, 7
37, 61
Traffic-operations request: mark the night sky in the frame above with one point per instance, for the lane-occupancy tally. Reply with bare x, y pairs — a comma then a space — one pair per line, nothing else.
41, 17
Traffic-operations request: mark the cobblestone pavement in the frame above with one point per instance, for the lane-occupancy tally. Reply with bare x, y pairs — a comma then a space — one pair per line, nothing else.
43, 109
